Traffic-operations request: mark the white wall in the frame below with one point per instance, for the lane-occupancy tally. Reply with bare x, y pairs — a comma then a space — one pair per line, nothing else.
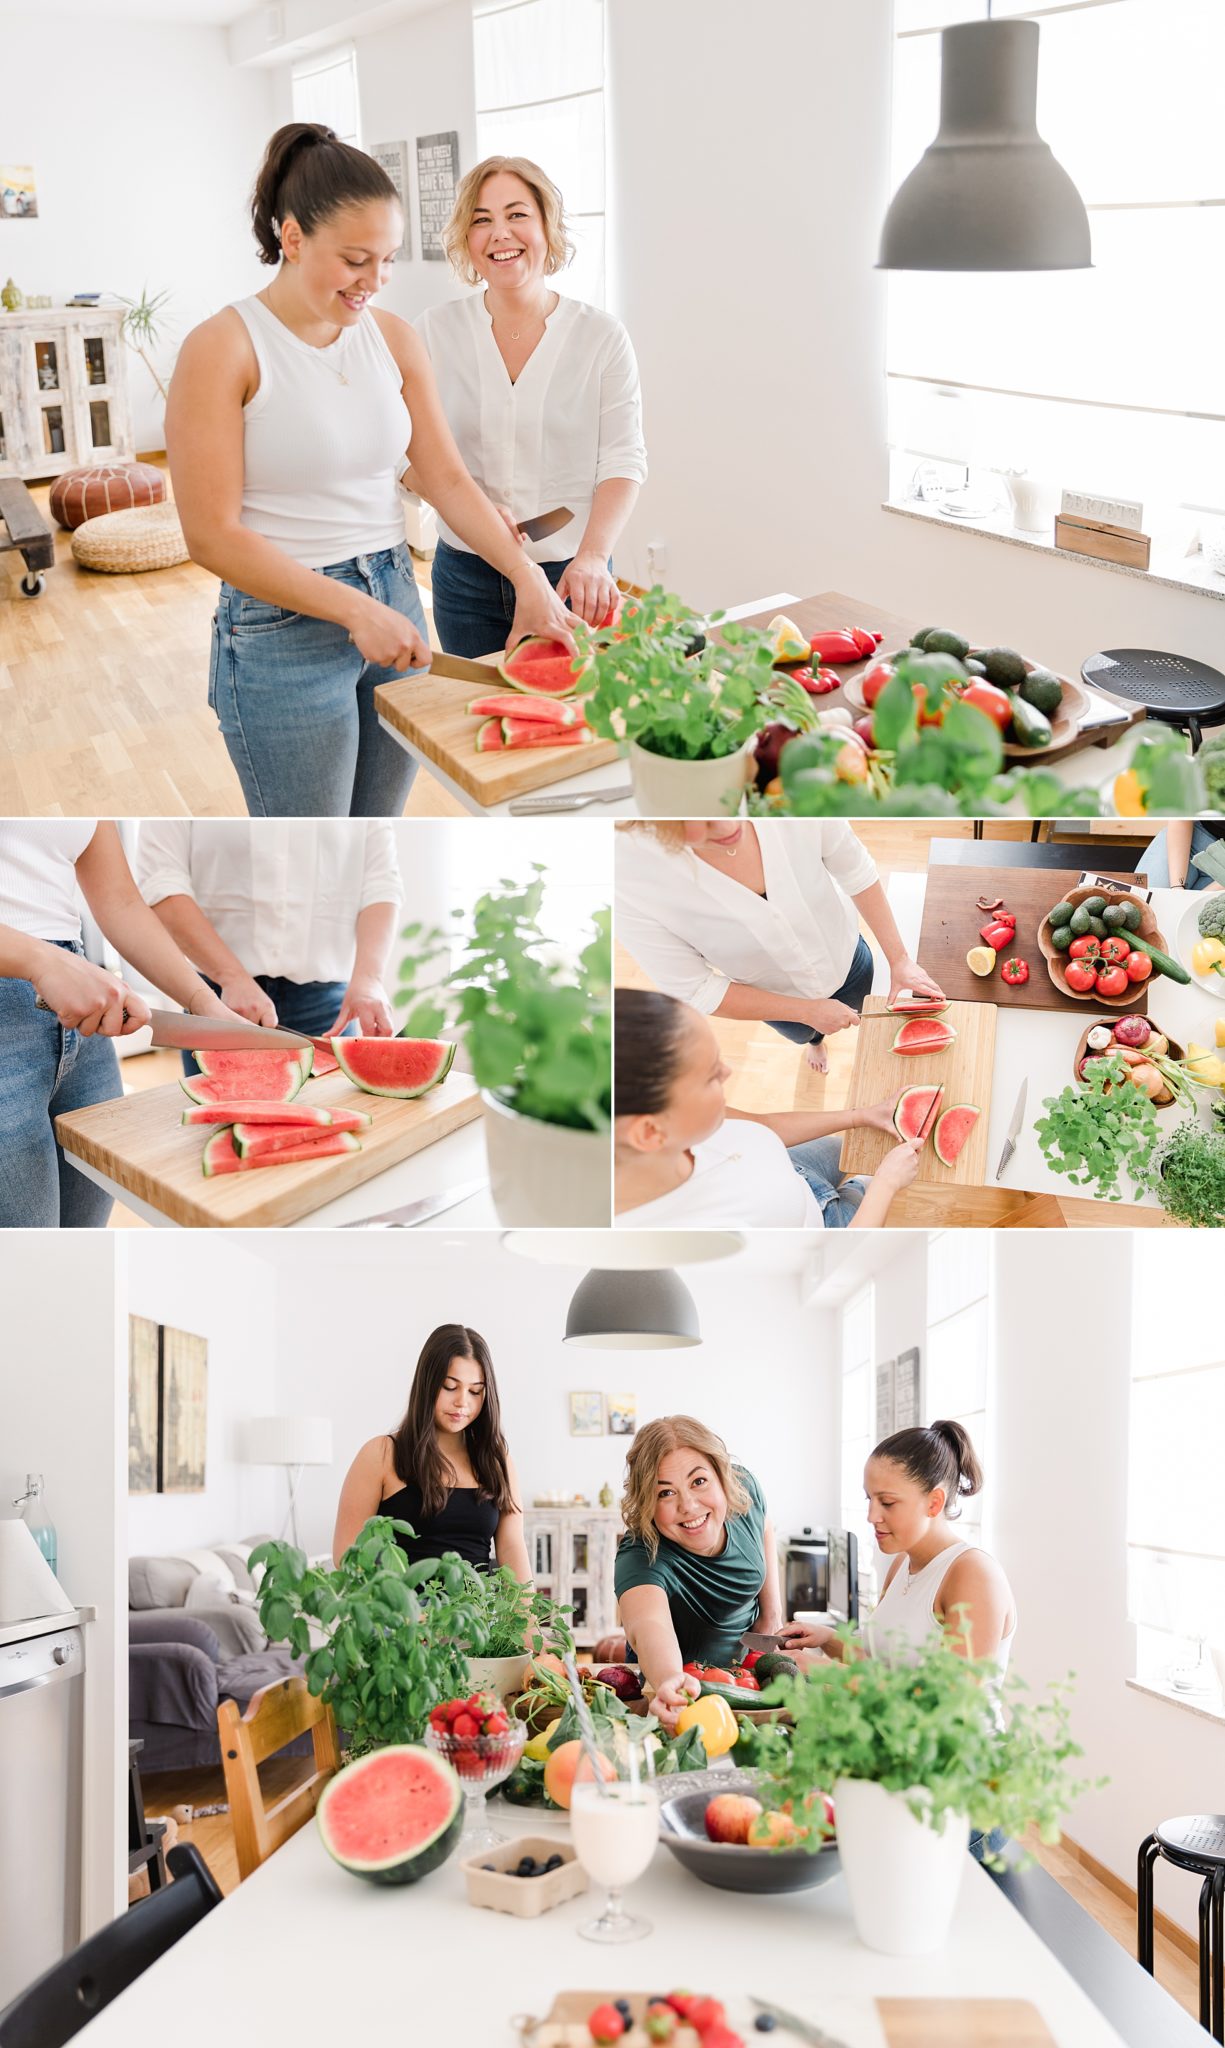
61, 1415
145, 144
743, 242
217, 1290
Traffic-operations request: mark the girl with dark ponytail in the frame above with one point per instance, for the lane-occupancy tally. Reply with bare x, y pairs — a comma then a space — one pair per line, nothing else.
915, 1482
290, 422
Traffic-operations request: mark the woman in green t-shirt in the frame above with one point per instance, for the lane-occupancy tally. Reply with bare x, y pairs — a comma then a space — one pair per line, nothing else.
697, 1565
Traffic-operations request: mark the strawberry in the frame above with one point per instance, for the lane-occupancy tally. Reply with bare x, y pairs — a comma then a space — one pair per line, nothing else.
706, 2013
682, 2002
720, 2036
605, 2024
465, 1724
660, 2020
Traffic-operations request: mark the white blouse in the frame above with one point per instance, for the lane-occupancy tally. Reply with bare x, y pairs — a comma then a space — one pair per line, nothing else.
38, 879
283, 894
571, 421
696, 931
742, 1179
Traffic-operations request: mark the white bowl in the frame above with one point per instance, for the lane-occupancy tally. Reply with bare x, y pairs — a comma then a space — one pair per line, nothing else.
1189, 936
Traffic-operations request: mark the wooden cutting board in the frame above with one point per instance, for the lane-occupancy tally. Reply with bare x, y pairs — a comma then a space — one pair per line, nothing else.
951, 925
431, 713
963, 2023
140, 1142
965, 1069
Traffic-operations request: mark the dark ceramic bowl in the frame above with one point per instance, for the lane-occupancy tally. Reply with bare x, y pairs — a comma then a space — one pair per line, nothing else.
732, 1866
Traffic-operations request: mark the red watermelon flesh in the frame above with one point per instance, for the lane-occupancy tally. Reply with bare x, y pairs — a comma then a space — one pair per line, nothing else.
542, 710
528, 732
544, 667
912, 1109
252, 1140
323, 1061
248, 1076
953, 1127
911, 1005
923, 1034
220, 1155
394, 1066
393, 1815
298, 1114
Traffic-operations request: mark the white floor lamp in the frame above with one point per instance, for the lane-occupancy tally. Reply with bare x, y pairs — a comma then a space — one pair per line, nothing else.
294, 1441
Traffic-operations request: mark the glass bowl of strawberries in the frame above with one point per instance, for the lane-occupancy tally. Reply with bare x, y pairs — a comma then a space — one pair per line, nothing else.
483, 1744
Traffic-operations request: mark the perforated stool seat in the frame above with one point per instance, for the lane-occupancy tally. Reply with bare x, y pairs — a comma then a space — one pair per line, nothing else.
1194, 1842
1171, 687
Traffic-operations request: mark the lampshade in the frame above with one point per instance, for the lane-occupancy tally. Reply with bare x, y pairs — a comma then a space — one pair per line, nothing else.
287, 1440
623, 1250
987, 194
640, 1311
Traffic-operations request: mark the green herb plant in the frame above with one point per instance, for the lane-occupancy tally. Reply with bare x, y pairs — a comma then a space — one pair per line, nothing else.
647, 685
1099, 1130
514, 1620
1190, 1173
538, 1029
940, 1730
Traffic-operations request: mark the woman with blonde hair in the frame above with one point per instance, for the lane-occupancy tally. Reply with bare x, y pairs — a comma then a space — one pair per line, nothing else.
697, 1566
541, 394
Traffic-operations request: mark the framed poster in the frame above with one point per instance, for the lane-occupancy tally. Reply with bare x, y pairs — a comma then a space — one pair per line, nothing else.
907, 1390
167, 1409
393, 158
586, 1414
18, 192
437, 178
622, 1414
884, 1398
143, 1348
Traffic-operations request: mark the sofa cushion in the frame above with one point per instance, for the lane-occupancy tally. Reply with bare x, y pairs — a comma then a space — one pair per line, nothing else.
171, 1684
172, 1625
239, 1678
158, 1581
235, 1555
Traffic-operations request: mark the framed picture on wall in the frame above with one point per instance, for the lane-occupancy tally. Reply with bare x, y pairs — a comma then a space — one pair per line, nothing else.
437, 178
143, 1351
907, 1390
167, 1409
885, 1424
393, 158
622, 1414
18, 193
586, 1414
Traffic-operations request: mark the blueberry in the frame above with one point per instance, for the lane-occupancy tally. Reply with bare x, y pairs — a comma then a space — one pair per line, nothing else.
622, 2005
555, 1862
526, 1867
765, 2023
489, 1866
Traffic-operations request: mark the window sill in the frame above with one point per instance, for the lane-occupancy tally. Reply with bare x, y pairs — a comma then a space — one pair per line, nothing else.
1188, 573
1200, 1703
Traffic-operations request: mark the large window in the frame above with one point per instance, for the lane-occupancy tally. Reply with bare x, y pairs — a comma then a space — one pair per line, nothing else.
1110, 380
959, 1356
325, 89
858, 1348
540, 94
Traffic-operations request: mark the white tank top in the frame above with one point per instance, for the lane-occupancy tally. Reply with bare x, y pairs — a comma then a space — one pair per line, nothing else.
38, 881
324, 441
904, 1617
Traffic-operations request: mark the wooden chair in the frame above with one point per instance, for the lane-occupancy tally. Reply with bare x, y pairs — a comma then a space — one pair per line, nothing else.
277, 1715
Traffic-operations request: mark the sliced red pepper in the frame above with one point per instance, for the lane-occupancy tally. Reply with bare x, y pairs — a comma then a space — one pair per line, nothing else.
1015, 972
998, 934
845, 643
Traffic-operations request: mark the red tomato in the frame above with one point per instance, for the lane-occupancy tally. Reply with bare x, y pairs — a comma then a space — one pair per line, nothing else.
1116, 948
1138, 966
874, 679
1112, 981
716, 1674
926, 716
1081, 975
745, 1679
985, 697
1082, 948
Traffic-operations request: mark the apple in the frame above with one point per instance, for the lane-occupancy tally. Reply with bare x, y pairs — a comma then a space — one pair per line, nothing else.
730, 1815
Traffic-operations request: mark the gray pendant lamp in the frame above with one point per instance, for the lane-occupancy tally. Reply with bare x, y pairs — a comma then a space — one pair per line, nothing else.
639, 1311
987, 194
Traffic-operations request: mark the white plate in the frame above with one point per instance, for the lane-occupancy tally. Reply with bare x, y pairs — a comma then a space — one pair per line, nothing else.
1189, 935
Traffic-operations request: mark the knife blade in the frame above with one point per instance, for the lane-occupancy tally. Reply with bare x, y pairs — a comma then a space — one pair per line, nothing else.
458, 670
932, 1113
1014, 1128
411, 1213
804, 2030
546, 523
752, 1642
540, 806
185, 1032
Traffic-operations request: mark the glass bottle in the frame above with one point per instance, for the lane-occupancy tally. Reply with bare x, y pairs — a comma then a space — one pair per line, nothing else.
37, 1520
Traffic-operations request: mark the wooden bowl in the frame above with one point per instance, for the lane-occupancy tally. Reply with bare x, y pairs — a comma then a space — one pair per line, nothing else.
1056, 961
1176, 1052
1065, 723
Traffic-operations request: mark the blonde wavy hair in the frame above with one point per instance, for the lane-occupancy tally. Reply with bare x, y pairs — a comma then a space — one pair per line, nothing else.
651, 1446
670, 832
467, 199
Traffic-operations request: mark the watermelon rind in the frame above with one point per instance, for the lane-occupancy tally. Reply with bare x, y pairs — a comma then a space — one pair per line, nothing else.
361, 1066
303, 1116
402, 1865
941, 1138
912, 1108
923, 1034
918, 1008
548, 672
221, 1154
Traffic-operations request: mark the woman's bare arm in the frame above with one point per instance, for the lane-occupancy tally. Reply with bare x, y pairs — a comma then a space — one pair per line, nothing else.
361, 1496
509, 1543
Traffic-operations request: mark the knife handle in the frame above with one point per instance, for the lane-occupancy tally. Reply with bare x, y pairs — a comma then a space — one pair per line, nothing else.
39, 1004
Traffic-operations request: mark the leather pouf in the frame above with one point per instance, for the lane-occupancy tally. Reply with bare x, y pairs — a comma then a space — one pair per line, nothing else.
82, 494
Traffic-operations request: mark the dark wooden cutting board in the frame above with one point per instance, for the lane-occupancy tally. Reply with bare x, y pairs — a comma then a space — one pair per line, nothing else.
952, 922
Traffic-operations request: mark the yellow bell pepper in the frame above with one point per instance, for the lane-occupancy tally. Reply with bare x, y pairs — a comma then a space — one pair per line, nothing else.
715, 1719
1202, 1064
1219, 1029
1208, 956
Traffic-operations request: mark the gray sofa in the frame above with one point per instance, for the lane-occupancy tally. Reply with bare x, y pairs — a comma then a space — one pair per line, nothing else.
177, 1674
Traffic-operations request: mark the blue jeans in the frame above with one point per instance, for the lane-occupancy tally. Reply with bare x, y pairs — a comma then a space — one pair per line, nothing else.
817, 1163
45, 1070
474, 606
1155, 861
853, 991
309, 1006
295, 701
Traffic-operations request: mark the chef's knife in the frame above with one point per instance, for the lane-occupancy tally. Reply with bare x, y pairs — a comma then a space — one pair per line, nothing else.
457, 670
541, 806
932, 1113
759, 1642
545, 523
1010, 1142
804, 2030
420, 1211
216, 1034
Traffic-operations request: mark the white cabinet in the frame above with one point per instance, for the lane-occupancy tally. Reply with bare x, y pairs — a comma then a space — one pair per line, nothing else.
571, 1552
63, 390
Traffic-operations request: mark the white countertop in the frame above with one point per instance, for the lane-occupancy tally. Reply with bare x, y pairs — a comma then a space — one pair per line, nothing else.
304, 1952
45, 1625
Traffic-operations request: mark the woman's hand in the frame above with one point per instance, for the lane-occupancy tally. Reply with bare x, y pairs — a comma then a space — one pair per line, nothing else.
205, 1004
512, 525
86, 998
878, 1116
673, 1696
366, 999
385, 637
244, 997
590, 588
907, 973
795, 1635
898, 1168
539, 609
827, 1015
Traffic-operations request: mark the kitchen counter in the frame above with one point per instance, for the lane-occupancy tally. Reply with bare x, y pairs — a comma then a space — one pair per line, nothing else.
45, 1625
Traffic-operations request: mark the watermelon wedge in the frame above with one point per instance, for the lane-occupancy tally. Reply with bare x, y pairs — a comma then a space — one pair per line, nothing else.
912, 1109
394, 1066
923, 1034
221, 1156
299, 1115
909, 1004
323, 1061
248, 1076
953, 1127
498, 734
543, 710
542, 667
252, 1140
393, 1815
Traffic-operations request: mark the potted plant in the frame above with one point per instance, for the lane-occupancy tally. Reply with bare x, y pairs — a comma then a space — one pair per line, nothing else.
688, 710
916, 1756
1190, 1173
538, 1032
514, 1625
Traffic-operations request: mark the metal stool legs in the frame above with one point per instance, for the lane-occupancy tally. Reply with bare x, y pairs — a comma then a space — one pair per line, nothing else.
1218, 1955
1150, 1850
1211, 1935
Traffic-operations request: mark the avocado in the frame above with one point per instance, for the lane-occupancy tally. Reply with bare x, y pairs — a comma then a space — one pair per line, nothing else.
1062, 936
941, 641
919, 639
1132, 914
973, 666
1094, 905
1061, 914
1004, 666
1078, 923
1115, 916
774, 1665
1099, 927
1043, 690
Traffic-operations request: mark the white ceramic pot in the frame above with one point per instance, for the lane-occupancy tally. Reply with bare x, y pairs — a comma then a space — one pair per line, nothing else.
1033, 504
545, 1175
688, 789
501, 1675
903, 1877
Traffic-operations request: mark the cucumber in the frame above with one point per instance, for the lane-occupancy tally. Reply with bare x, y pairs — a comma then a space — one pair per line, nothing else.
736, 1696
1161, 961
1030, 727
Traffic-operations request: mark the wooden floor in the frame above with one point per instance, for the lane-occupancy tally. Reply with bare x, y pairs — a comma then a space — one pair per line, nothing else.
104, 696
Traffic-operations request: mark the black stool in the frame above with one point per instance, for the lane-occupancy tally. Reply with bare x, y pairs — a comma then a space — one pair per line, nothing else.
1196, 1842
1171, 687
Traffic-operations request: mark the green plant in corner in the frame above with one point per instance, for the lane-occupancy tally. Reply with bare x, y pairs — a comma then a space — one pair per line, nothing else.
648, 684
1190, 1173
142, 327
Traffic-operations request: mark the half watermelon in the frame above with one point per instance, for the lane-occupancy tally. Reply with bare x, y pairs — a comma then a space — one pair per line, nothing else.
912, 1109
923, 1034
221, 1156
394, 1066
248, 1076
393, 1815
953, 1127
543, 667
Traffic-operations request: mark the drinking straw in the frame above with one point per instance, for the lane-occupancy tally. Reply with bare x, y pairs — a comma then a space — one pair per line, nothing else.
586, 1726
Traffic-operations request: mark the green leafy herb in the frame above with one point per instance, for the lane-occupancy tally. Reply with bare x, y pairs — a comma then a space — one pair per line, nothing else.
1099, 1130
513, 1619
647, 684
1190, 1173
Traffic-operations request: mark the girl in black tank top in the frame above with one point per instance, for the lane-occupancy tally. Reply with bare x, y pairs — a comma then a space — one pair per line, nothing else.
465, 1523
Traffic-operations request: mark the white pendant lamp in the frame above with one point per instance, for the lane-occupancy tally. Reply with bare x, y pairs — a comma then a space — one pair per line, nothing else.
636, 1311
987, 194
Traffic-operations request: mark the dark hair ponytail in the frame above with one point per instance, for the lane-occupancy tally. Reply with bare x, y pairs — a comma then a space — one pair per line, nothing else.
939, 1455
648, 1031
310, 173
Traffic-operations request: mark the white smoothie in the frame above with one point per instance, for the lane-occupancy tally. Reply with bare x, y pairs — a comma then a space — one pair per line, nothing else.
615, 1831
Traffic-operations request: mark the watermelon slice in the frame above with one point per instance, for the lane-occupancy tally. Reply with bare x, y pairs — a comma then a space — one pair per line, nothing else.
909, 1004
300, 1115
248, 1076
323, 1061
221, 1156
393, 1815
542, 667
543, 710
497, 734
953, 1127
394, 1066
912, 1109
252, 1140
923, 1034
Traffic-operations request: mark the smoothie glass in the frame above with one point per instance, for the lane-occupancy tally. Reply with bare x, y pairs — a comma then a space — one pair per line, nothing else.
615, 1829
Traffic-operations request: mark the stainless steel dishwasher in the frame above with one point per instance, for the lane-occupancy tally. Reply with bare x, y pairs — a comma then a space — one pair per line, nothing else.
42, 1728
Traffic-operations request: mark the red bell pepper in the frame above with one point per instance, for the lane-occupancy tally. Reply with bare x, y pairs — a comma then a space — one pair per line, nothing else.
999, 933
845, 643
818, 683
750, 1657
1015, 972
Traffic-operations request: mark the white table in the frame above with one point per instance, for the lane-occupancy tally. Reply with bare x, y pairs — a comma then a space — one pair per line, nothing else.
1037, 1045
305, 1953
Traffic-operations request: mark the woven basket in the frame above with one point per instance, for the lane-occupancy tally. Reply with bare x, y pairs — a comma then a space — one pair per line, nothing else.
121, 543
81, 494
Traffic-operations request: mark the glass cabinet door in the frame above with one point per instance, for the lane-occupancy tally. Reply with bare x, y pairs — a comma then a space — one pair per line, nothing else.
99, 423
47, 365
95, 359
53, 430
